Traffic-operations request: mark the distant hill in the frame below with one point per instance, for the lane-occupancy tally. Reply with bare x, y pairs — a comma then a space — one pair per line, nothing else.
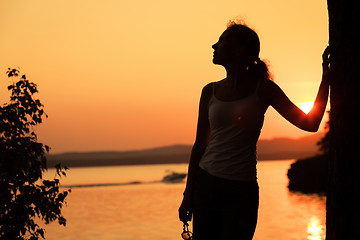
288, 148
273, 149
168, 154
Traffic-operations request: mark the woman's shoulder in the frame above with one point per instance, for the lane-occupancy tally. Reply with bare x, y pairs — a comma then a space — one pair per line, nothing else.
207, 90
268, 86
210, 86
267, 90
268, 82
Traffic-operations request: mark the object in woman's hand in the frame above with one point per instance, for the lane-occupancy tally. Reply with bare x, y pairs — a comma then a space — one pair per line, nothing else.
186, 234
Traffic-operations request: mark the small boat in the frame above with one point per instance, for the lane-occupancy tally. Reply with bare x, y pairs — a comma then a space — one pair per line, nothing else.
174, 177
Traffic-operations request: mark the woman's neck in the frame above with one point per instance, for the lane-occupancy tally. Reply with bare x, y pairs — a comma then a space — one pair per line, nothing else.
236, 76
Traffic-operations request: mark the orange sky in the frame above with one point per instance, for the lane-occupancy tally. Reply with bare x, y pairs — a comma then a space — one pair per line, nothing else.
119, 75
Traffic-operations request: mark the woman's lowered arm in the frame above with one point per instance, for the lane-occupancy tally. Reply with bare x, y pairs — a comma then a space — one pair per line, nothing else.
202, 138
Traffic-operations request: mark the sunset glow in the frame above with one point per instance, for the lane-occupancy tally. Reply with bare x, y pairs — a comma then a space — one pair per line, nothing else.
315, 230
121, 75
306, 106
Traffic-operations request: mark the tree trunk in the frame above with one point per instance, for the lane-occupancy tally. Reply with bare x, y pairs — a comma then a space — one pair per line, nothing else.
343, 201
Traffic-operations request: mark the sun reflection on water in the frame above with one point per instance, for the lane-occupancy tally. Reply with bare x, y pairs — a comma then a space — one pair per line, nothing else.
315, 230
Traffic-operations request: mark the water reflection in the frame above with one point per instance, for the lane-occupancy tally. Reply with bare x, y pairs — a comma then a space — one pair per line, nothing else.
315, 230
136, 211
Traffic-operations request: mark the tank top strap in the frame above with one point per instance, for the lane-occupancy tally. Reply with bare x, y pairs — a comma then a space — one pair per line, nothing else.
257, 86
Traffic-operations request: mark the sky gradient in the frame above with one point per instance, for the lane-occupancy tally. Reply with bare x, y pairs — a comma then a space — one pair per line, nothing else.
120, 75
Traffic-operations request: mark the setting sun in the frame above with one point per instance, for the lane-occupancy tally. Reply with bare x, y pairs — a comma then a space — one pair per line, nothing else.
315, 229
306, 106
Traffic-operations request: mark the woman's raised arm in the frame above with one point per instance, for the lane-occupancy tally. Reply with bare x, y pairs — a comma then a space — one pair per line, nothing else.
308, 122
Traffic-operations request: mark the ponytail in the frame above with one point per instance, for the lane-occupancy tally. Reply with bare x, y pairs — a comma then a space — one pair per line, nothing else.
259, 69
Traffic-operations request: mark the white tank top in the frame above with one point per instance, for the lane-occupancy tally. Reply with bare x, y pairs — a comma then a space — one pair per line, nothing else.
234, 131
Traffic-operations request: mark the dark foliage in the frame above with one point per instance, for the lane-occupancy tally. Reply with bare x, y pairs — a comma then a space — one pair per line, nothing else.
24, 195
310, 175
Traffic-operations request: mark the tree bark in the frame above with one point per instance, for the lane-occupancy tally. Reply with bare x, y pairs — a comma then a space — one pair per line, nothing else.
343, 200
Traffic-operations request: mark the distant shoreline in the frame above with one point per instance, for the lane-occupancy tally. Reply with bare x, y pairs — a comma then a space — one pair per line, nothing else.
76, 165
275, 149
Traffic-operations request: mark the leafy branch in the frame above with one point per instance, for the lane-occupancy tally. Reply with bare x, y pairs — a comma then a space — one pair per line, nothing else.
24, 194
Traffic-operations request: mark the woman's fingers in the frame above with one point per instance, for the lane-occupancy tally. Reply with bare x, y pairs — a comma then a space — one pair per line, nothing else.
326, 54
185, 210
185, 215
326, 57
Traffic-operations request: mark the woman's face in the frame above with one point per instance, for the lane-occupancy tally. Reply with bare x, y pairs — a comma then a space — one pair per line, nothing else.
227, 50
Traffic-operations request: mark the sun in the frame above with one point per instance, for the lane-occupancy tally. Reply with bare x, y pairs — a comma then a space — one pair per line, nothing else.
306, 106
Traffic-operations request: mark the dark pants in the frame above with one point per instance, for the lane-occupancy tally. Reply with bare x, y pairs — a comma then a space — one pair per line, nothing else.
224, 209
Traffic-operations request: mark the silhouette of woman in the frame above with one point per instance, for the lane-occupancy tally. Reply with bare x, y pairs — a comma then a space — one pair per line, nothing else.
222, 193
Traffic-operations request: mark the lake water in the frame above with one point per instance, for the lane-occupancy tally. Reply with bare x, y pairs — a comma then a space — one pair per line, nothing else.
148, 210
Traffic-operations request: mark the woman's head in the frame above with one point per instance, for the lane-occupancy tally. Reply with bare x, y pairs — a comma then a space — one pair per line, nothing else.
247, 40
239, 46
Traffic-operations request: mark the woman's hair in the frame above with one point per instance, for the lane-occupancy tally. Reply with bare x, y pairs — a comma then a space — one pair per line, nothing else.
249, 41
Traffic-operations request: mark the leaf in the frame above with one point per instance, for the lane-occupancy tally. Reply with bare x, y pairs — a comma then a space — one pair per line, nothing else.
62, 221
41, 232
